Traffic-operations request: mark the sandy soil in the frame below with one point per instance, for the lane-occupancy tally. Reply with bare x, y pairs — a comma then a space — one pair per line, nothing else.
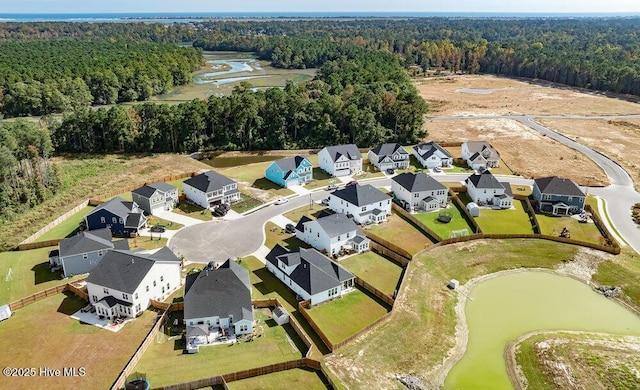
482, 94
618, 139
523, 149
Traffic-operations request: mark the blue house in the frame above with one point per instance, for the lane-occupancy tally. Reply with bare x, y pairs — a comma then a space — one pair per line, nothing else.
558, 196
118, 215
292, 171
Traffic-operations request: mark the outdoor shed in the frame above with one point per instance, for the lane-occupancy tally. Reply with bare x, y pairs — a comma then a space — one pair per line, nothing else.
280, 315
474, 210
5, 312
453, 284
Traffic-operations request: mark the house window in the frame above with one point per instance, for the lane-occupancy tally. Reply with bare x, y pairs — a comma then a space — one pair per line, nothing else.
318, 234
416, 195
147, 288
154, 283
135, 296
338, 238
125, 296
114, 220
99, 253
95, 298
85, 256
102, 220
137, 307
121, 221
364, 208
546, 197
569, 198
129, 310
167, 285
161, 278
105, 290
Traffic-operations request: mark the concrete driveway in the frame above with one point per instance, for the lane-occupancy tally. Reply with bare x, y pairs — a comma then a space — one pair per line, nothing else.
178, 218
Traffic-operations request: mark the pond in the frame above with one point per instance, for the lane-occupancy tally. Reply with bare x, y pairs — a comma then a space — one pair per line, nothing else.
228, 162
508, 306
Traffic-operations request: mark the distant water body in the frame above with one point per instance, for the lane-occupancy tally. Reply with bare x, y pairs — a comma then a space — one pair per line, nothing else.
178, 17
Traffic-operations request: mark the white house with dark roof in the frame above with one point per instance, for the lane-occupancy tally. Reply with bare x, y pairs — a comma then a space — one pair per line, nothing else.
420, 191
156, 197
365, 203
340, 160
480, 155
124, 282
558, 196
290, 171
332, 233
120, 216
81, 253
220, 299
210, 188
389, 156
309, 273
485, 190
431, 155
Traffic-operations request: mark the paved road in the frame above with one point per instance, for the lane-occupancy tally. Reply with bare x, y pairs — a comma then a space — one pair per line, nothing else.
620, 195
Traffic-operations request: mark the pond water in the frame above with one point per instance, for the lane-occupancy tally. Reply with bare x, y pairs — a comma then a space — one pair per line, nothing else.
227, 162
506, 307
224, 67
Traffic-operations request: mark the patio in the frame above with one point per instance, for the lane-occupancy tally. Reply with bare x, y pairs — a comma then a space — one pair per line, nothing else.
204, 335
91, 317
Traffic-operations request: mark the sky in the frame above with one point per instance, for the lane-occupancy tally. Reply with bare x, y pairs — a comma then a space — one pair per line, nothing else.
492, 6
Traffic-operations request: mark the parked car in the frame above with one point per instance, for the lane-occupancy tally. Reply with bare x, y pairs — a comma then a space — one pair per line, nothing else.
391, 171
351, 183
332, 187
224, 207
290, 228
157, 229
325, 202
219, 212
281, 201
437, 169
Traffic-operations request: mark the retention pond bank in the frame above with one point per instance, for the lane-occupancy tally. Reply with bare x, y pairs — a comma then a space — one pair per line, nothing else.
503, 308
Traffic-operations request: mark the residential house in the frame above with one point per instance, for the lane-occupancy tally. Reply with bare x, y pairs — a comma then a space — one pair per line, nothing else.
340, 160
389, 156
291, 171
220, 299
480, 155
420, 191
431, 155
124, 282
332, 233
120, 216
484, 189
81, 253
309, 273
210, 188
558, 196
364, 203
155, 197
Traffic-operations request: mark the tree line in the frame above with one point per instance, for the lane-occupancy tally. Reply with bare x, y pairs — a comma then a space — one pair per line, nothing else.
39, 77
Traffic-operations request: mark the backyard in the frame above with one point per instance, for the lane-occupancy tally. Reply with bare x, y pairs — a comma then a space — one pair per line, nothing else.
277, 235
252, 175
374, 269
67, 228
552, 226
310, 211
507, 221
165, 363
67, 343
294, 379
402, 233
343, 317
458, 221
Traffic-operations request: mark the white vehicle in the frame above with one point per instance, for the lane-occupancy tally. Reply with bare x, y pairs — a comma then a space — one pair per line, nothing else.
281, 201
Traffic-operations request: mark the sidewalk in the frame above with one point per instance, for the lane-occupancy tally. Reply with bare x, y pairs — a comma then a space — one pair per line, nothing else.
281, 221
300, 190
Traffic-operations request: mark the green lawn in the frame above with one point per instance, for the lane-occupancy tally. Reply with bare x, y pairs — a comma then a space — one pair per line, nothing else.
165, 363
401, 233
358, 307
552, 226
147, 242
458, 222
29, 274
321, 179
622, 270
277, 235
246, 204
67, 228
310, 211
193, 211
295, 379
374, 269
153, 220
252, 175
505, 221
368, 171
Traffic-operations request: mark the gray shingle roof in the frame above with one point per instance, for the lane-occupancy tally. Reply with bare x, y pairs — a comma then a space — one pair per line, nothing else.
198, 330
162, 186
222, 292
484, 148
315, 272
507, 188
388, 150
350, 151
134, 220
209, 181
290, 163
111, 301
301, 222
427, 149
418, 182
553, 185
148, 190
337, 224
85, 242
117, 206
122, 270
361, 195
484, 180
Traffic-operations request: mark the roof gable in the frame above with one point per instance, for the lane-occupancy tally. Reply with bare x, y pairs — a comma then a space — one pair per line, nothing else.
428, 149
349, 151
85, 242
484, 180
388, 150
121, 270
116, 206
209, 181
336, 224
554, 185
418, 182
292, 163
361, 195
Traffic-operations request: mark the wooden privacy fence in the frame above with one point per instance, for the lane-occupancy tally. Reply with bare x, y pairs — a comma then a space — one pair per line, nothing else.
384, 251
133, 187
197, 384
530, 211
79, 291
372, 325
169, 307
20, 303
53, 224
601, 227
433, 236
314, 326
374, 291
37, 245
389, 245
470, 220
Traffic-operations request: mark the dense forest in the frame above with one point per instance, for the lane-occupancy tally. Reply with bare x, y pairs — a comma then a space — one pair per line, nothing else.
40, 77
27, 177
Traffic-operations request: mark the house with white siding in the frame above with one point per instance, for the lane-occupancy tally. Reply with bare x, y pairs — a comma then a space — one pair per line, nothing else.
480, 155
389, 156
431, 155
210, 188
124, 282
340, 160
309, 273
364, 203
420, 191
332, 234
155, 197
485, 190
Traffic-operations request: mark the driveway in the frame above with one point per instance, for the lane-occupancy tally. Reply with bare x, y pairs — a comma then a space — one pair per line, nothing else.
178, 218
